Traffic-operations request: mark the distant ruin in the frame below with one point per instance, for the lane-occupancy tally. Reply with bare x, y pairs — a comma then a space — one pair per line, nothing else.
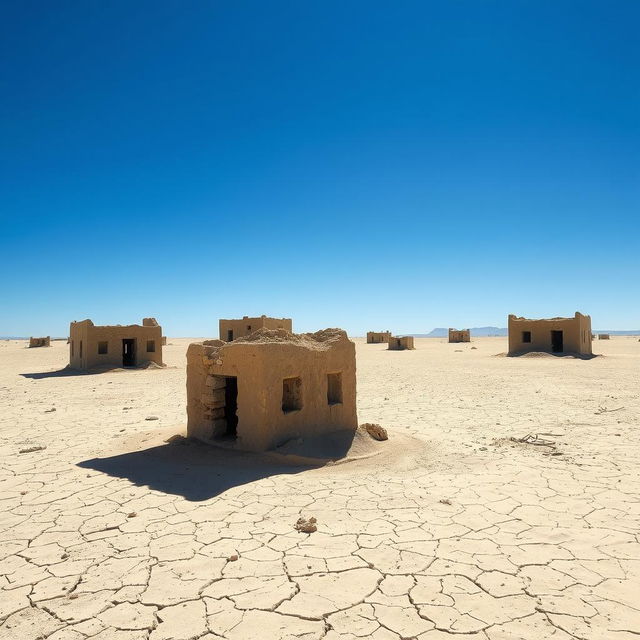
232, 329
262, 390
378, 337
134, 345
164, 341
400, 343
604, 336
551, 335
459, 335
40, 342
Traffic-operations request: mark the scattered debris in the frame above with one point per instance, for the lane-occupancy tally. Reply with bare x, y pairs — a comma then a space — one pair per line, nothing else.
445, 501
133, 514
32, 449
306, 526
533, 438
73, 596
605, 410
152, 418
375, 431
50, 410
474, 347
64, 556
233, 558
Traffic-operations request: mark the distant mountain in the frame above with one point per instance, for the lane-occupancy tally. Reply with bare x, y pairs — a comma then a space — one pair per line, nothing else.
478, 332
483, 332
631, 332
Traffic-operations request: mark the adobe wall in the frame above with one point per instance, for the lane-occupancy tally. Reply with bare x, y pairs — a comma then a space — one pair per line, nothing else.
261, 363
246, 326
378, 337
603, 336
459, 335
40, 342
576, 334
401, 343
85, 337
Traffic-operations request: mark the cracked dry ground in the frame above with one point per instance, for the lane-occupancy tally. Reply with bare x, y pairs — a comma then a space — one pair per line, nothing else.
109, 533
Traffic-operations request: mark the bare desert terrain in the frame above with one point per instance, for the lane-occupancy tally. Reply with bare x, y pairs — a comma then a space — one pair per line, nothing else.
454, 530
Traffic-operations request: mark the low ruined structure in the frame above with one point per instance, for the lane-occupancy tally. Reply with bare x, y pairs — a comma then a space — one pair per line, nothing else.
459, 335
92, 346
39, 342
603, 336
378, 337
260, 391
551, 335
232, 329
400, 343
164, 341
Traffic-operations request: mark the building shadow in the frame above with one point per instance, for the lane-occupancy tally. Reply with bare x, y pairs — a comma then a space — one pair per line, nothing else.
192, 470
60, 373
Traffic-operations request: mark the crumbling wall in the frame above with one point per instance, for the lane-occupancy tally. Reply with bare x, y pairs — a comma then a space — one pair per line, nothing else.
95, 346
603, 336
378, 337
459, 335
527, 335
400, 343
288, 386
40, 342
239, 328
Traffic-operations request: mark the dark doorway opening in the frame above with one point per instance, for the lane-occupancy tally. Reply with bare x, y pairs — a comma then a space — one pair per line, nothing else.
229, 335
231, 406
128, 352
557, 345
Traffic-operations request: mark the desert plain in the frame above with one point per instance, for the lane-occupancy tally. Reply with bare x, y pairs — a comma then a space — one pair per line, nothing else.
454, 530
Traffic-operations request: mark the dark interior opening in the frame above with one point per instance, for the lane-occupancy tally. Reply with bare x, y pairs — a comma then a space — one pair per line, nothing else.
557, 345
231, 406
229, 335
526, 336
128, 352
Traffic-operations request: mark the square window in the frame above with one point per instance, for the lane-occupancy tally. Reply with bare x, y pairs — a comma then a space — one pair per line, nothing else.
248, 327
103, 347
151, 346
526, 336
334, 388
291, 394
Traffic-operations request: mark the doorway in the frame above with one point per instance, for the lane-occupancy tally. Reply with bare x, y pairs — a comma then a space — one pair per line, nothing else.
128, 352
557, 341
229, 335
231, 406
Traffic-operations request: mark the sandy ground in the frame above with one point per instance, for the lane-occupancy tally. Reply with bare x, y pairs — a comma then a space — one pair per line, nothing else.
454, 531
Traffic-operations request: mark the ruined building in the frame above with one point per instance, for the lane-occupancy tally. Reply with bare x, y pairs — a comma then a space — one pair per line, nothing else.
397, 343
552, 335
462, 335
259, 391
40, 342
603, 336
377, 337
131, 345
231, 329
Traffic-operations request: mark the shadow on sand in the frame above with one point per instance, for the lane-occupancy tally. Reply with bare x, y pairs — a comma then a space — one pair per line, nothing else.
60, 373
192, 470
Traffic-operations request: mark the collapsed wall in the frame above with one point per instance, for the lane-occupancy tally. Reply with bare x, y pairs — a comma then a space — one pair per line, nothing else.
40, 342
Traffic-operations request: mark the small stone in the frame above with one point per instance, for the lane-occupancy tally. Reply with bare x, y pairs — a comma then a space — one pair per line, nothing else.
375, 431
306, 526
133, 514
445, 501
233, 558
152, 418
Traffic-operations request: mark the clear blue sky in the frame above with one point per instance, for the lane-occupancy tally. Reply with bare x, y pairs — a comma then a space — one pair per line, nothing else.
366, 165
